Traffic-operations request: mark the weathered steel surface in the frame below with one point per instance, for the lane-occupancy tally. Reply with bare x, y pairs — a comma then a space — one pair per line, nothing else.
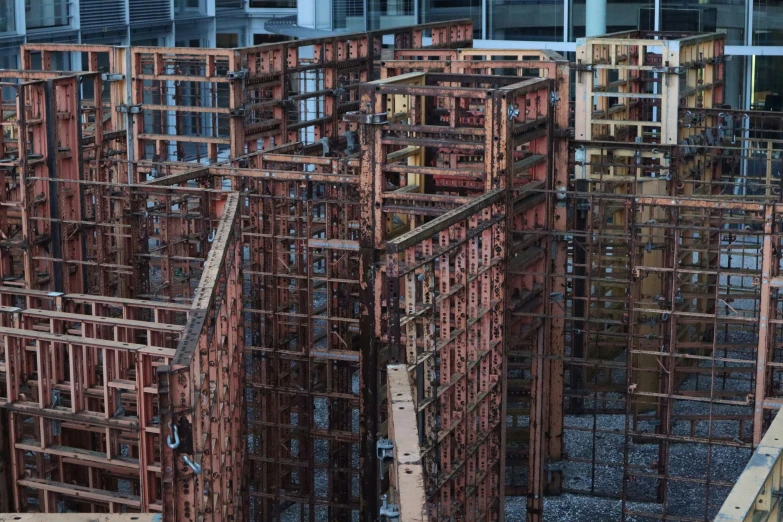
452, 344
428, 220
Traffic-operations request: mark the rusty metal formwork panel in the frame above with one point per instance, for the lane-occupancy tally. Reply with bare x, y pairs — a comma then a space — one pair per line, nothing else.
434, 141
302, 270
76, 363
186, 104
70, 373
104, 91
43, 249
446, 282
202, 390
66, 168
103, 142
631, 84
79, 517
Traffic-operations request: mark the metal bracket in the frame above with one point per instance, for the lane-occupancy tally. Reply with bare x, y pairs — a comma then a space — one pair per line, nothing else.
384, 448
353, 141
324, 145
237, 75
366, 118
129, 109
391, 512
56, 424
109, 77
193, 465
550, 467
238, 113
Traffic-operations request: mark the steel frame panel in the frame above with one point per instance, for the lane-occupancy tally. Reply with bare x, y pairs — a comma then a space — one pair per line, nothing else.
462, 255
319, 253
74, 371
510, 144
622, 76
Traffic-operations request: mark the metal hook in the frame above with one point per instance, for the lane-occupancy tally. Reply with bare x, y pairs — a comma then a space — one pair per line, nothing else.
175, 444
195, 467
211, 237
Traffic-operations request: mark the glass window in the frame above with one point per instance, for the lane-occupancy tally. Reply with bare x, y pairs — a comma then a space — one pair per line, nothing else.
227, 40
390, 13
265, 38
47, 13
767, 22
767, 83
7, 17
272, 3
537, 20
445, 10
190, 6
725, 16
348, 14
621, 15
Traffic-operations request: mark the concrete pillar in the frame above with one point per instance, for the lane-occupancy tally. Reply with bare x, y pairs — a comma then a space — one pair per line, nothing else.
595, 18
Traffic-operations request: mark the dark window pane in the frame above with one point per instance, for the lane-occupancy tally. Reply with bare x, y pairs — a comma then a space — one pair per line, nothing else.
537, 20
767, 22
272, 3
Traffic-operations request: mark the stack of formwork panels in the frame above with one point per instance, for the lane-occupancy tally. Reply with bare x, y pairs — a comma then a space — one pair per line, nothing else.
467, 161
522, 63
316, 260
113, 402
302, 290
664, 255
159, 97
629, 91
442, 305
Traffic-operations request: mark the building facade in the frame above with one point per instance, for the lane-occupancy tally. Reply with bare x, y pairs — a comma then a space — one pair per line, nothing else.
754, 27
182, 23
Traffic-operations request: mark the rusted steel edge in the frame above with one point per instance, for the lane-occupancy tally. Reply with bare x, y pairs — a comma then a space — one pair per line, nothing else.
205, 294
408, 472
755, 496
443, 222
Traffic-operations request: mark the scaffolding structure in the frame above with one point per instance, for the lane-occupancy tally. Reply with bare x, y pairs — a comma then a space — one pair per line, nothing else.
300, 281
